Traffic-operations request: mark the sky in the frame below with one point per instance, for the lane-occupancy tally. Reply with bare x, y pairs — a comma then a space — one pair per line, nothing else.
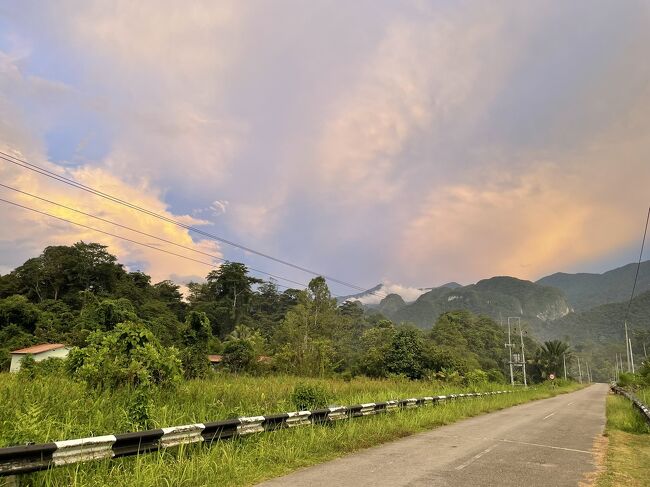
412, 142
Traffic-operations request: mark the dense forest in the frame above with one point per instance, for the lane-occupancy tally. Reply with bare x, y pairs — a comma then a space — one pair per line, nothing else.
81, 296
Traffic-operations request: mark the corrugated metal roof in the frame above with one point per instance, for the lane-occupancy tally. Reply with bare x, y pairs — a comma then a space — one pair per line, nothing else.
43, 347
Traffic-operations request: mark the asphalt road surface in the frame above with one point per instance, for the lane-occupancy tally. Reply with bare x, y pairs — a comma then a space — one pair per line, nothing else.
541, 443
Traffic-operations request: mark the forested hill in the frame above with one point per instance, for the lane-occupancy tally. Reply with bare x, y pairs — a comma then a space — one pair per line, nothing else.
82, 296
587, 290
496, 297
603, 324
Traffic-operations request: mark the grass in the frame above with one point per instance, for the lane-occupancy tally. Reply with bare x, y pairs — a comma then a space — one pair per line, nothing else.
627, 461
57, 408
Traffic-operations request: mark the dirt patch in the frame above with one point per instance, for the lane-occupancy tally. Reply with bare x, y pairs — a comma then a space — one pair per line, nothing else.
599, 449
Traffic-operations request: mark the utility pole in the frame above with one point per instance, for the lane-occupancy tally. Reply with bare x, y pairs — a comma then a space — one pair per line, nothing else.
509, 345
579, 370
523, 356
564, 362
627, 348
615, 367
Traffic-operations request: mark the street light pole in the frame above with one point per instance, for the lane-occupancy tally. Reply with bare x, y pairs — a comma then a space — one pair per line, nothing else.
627, 348
579, 370
509, 345
523, 355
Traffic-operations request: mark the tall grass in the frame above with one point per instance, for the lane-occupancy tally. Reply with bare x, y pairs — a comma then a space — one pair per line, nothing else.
627, 460
57, 408
622, 415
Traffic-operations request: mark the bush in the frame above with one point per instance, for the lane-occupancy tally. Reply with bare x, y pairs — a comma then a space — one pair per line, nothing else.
238, 355
27, 367
129, 355
627, 379
496, 376
476, 377
307, 397
138, 409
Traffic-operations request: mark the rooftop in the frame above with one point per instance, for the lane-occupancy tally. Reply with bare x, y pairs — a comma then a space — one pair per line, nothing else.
43, 347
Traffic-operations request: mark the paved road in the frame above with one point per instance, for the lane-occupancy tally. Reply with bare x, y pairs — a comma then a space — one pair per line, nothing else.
541, 443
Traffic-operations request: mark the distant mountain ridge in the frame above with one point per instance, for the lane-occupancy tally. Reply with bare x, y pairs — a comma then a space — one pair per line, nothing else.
587, 290
602, 324
582, 307
380, 292
496, 297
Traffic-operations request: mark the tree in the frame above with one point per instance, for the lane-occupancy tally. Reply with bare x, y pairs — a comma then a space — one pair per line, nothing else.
375, 344
550, 357
17, 310
238, 355
197, 338
129, 355
405, 355
227, 295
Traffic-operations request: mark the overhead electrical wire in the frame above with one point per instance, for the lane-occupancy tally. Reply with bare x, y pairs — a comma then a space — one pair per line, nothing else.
216, 257
121, 237
71, 182
638, 265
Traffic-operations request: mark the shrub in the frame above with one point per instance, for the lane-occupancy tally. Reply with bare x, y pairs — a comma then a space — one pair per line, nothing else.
476, 377
626, 379
138, 409
129, 355
238, 355
307, 397
496, 376
27, 367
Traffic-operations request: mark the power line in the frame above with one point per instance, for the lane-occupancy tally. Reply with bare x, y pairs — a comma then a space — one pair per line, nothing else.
117, 236
71, 182
638, 266
216, 257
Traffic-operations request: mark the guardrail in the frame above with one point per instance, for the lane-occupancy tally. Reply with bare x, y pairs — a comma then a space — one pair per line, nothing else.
645, 411
30, 458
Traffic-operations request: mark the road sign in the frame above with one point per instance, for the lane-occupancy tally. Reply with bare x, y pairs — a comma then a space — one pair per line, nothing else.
551, 376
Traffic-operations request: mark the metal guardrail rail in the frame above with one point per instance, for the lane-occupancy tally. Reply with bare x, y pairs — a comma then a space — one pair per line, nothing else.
645, 411
30, 458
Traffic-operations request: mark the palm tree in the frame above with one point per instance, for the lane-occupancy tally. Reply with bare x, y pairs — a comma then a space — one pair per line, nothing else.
550, 357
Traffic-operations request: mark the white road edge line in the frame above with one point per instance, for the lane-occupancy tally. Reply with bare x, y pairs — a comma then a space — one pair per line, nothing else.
476, 457
552, 414
546, 446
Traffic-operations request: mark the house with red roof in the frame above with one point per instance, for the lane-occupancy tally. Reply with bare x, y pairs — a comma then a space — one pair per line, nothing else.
39, 353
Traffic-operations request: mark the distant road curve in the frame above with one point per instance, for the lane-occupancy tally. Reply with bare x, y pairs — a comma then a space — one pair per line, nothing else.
541, 443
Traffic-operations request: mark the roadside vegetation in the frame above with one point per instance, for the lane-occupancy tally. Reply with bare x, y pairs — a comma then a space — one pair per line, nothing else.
627, 460
140, 360
46, 409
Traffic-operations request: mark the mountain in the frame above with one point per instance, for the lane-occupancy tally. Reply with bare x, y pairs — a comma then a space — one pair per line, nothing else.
372, 296
602, 324
495, 297
586, 290
391, 304
359, 296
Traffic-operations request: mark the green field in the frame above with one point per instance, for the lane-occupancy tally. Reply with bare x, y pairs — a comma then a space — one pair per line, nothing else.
55, 408
627, 460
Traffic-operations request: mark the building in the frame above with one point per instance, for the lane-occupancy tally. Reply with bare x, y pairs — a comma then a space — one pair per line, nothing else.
215, 360
39, 353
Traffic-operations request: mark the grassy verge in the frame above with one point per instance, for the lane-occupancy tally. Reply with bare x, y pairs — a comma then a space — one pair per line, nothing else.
627, 461
58, 408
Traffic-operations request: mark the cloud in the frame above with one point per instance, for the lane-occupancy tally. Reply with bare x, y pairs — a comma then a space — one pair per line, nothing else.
556, 216
424, 142
407, 293
28, 232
